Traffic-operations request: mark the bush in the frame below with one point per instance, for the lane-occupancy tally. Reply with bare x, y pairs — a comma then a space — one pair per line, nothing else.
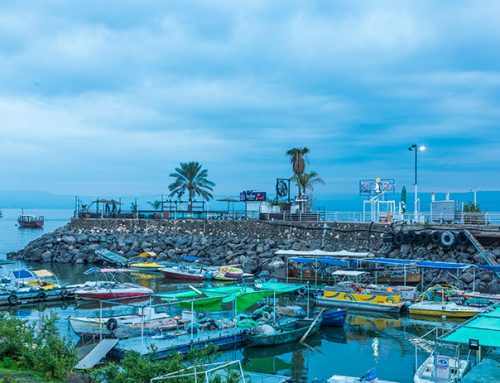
38, 349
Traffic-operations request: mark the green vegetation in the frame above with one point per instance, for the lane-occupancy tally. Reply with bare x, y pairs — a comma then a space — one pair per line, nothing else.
473, 214
155, 204
135, 368
192, 178
306, 181
297, 158
37, 349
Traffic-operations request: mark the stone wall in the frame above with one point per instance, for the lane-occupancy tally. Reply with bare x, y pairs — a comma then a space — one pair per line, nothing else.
249, 243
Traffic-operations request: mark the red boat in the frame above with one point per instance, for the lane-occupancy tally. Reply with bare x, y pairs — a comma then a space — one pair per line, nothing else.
30, 221
186, 272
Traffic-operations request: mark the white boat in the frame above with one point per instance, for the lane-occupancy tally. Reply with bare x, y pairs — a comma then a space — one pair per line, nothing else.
126, 326
187, 272
442, 369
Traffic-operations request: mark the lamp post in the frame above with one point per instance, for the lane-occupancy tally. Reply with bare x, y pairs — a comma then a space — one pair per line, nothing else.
416, 148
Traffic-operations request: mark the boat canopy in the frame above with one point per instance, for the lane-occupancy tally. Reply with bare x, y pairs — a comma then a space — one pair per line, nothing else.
190, 258
443, 265
326, 260
350, 273
391, 261
321, 253
495, 268
484, 328
22, 274
43, 273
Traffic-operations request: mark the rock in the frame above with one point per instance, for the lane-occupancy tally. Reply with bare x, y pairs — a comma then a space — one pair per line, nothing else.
486, 278
467, 277
69, 239
82, 238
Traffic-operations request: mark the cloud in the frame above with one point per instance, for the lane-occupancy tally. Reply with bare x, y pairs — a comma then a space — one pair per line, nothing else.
108, 97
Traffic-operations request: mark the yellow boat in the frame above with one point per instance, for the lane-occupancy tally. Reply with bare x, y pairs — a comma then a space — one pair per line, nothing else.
230, 273
151, 266
435, 302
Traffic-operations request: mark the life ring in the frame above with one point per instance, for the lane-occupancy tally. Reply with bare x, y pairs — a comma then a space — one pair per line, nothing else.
410, 236
112, 324
266, 315
302, 291
447, 239
436, 236
399, 238
41, 295
13, 299
424, 238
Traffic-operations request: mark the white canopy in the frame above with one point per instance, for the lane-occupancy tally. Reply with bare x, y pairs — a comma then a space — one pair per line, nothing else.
321, 253
351, 273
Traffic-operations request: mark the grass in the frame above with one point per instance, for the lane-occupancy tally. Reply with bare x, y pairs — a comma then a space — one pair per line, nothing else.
9, 375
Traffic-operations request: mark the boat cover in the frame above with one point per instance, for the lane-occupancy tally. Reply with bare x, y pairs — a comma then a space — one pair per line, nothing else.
43, 273
342, 253
484, 328
443, 265
147, 254
329, 261
22, 274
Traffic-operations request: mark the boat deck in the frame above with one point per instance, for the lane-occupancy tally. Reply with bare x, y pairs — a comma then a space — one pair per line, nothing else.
223, 339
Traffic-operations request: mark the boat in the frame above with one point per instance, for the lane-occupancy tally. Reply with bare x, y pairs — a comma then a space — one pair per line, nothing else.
149, 266
187, 272
369, 377
333, 318
442, 369
290, 331
102, 290
361, 297
400, 278
110, 288
30, 221
126, 326
230, 274
446, 309
438, 302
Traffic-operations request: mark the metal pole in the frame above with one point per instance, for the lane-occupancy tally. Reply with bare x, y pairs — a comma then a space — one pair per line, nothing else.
100, 321
415, 213
308, 299
404, 270
192, 319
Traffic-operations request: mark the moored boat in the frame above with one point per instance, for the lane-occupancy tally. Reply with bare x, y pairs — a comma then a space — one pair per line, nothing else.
30, 221
186, 272
369, 377
148, 266
442, 369
447, 309
291, 331
230, 274
333, 318
102, 290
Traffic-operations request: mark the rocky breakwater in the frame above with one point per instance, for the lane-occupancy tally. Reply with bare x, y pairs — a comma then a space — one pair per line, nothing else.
252, 244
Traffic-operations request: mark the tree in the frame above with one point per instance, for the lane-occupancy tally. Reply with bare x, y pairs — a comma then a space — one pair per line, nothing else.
473, 214
403, 200
192, 178
307, 181
155, 204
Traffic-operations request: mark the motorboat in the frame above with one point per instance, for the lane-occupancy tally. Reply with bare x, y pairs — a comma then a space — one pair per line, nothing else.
149, 266
187, 272
276, 334
439, 301
230, 274
446, 309
147, 321
333, 318
442, 369
110, 288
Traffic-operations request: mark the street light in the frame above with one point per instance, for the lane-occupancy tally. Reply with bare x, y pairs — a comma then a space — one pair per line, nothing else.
416, 148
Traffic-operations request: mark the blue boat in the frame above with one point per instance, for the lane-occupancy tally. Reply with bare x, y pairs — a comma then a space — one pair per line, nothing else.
333, 318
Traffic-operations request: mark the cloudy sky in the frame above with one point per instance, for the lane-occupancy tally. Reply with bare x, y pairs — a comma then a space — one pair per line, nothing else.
106, 97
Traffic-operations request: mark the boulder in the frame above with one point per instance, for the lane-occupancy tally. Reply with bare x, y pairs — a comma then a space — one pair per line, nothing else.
69, 239
467, 277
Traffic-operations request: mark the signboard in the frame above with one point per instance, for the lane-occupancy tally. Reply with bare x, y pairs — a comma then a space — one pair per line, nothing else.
283, 188
377, 186
250, 195
442, 367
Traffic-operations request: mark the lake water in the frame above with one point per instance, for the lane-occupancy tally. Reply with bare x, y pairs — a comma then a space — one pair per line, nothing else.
386, 343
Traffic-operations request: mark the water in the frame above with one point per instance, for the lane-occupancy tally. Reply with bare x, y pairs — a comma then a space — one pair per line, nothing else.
386, 343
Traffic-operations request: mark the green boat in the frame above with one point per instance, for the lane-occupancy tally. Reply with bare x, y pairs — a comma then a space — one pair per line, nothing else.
289, 332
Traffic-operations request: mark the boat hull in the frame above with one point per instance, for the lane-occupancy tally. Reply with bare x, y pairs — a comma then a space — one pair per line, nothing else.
438, 310
30, 224
111, 295
361, 306
333, 318
175, 274
263, 340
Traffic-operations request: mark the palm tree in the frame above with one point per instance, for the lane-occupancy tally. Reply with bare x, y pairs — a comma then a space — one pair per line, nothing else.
192, 178
307, 181
155, 204
297, 159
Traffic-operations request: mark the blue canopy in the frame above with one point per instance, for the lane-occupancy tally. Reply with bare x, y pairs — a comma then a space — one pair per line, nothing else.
391, 261
443, 265
190, 258
336, 262
22, 274
92, 270
303, 260
495, 268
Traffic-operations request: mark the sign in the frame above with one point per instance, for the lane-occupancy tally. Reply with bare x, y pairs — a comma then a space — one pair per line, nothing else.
250, 195
442, 367
283, 188
377, 186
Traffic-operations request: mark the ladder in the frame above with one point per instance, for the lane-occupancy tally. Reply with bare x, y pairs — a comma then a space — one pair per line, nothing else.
487, 256
96, 354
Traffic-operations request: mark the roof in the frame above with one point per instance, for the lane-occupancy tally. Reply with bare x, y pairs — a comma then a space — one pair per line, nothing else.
22, 274
317, 252
43, 273
484, 328
350, 273
329, 261
391, 261
443, 265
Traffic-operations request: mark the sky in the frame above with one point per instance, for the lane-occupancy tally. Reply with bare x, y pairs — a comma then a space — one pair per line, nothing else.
107, 97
